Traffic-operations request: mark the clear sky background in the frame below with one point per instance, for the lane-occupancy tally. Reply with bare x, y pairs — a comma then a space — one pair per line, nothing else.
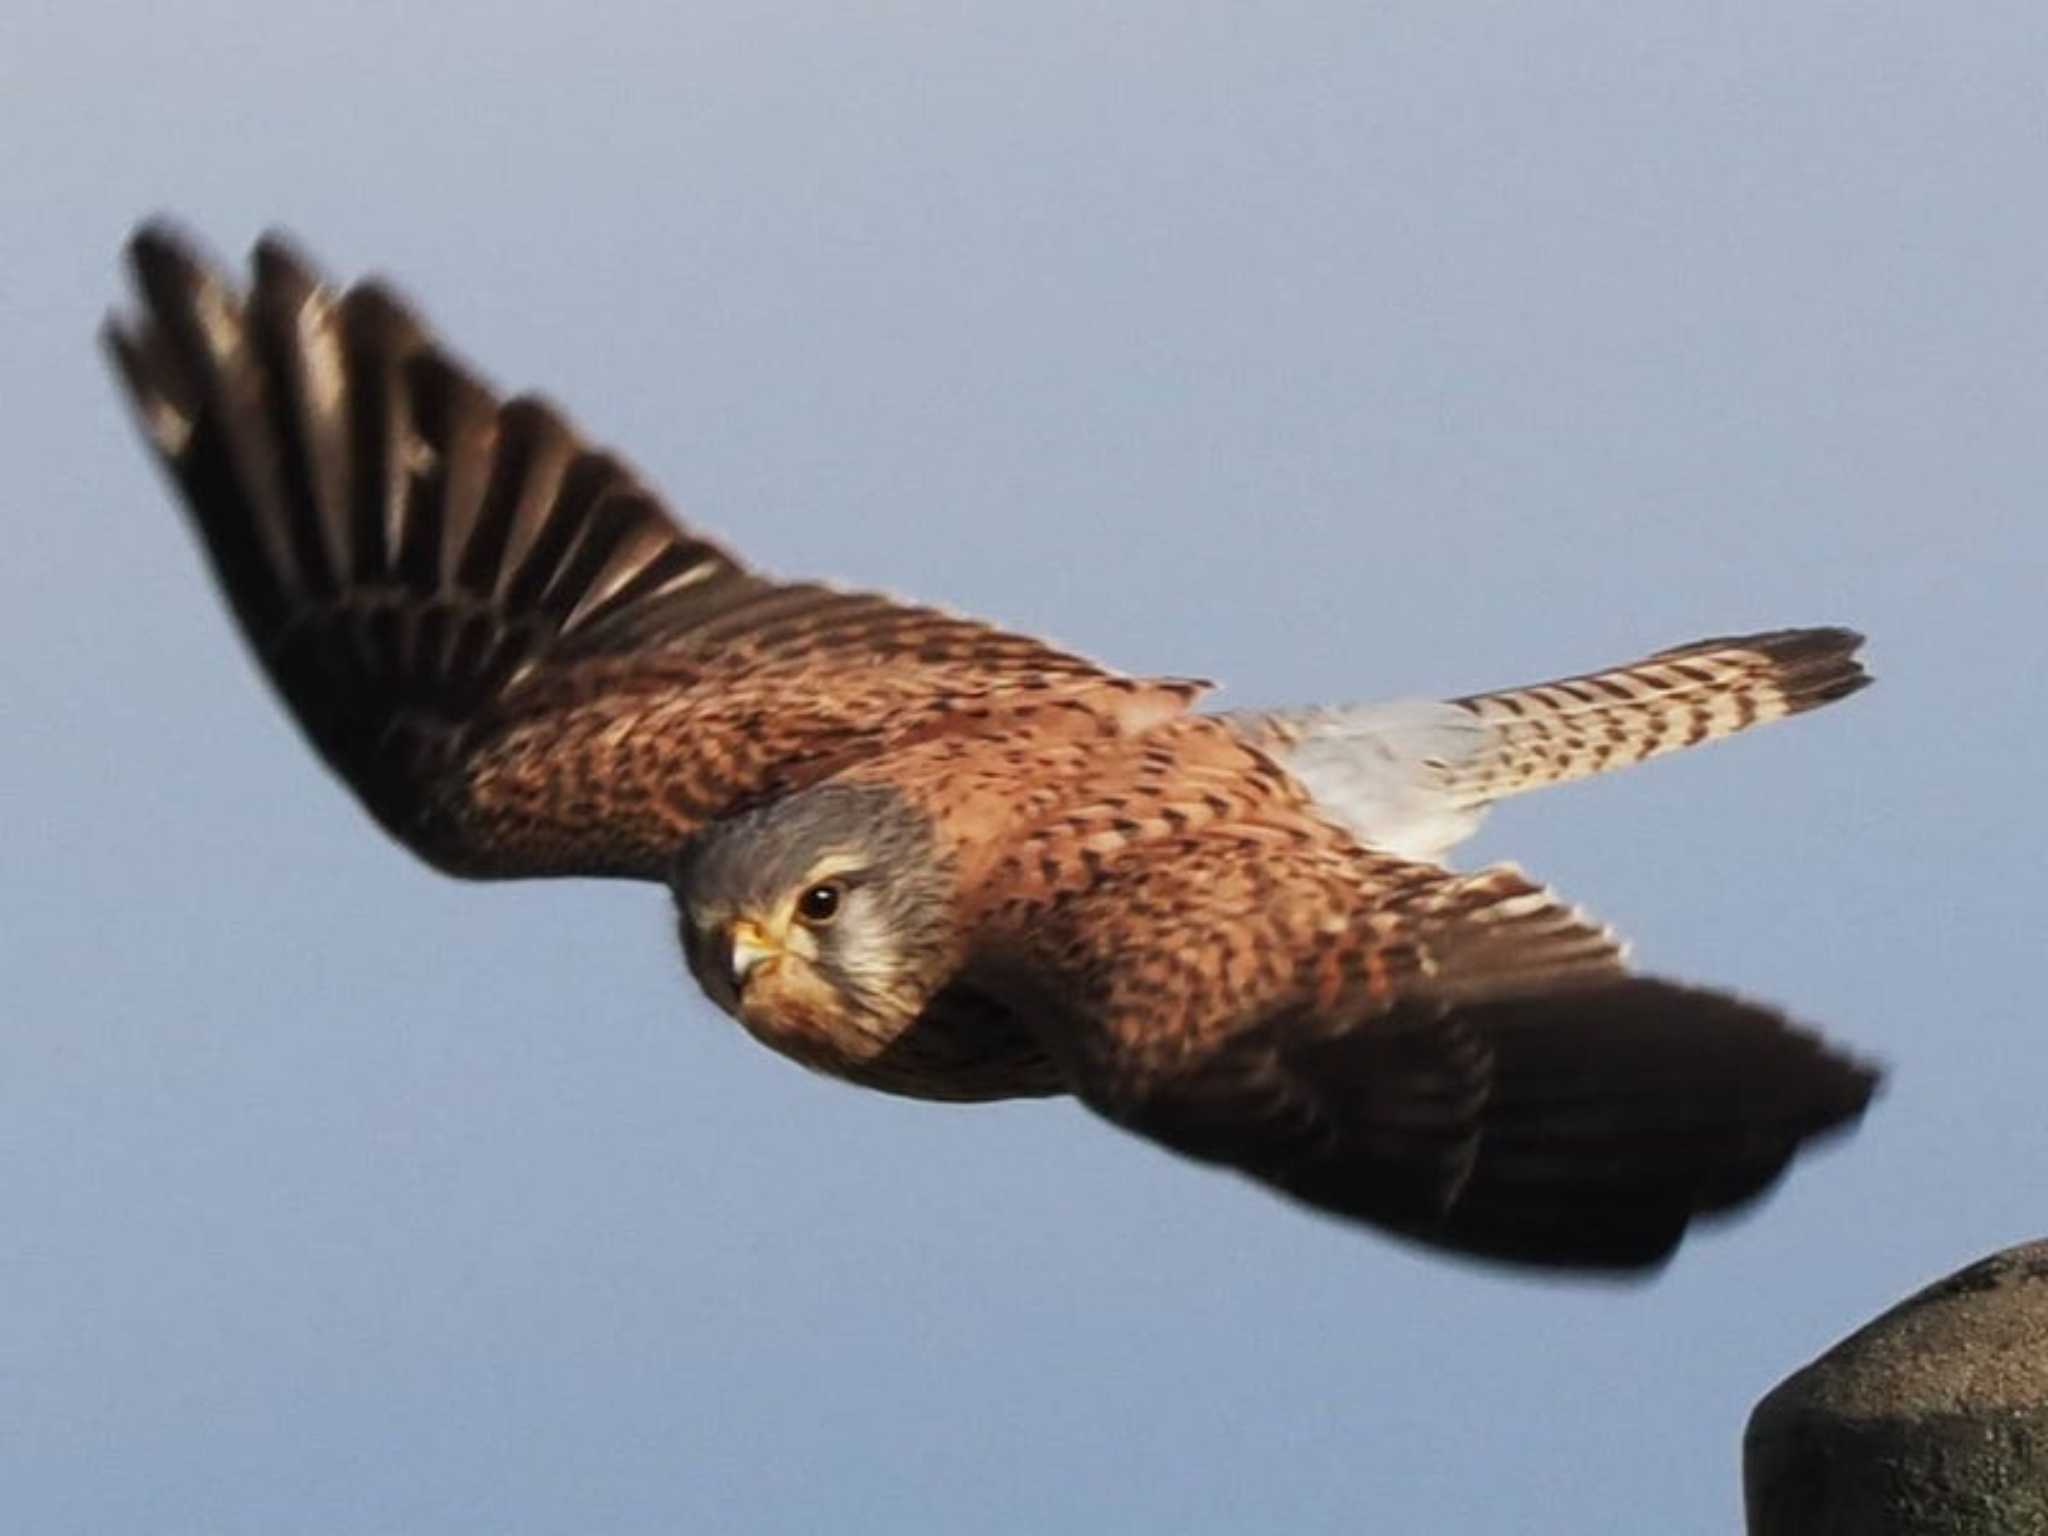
1335, 350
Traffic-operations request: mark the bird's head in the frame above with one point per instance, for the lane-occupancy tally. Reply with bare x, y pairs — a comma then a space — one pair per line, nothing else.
822, 921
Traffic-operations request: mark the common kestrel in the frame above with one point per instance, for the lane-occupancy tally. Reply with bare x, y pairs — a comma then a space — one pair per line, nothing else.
928, 856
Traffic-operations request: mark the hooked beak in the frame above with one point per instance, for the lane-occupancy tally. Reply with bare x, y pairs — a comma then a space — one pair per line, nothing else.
747, 949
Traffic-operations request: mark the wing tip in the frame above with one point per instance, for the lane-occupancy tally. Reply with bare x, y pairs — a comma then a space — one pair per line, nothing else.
277, 251
170, 268
1718, 1096
160, 241
159, 404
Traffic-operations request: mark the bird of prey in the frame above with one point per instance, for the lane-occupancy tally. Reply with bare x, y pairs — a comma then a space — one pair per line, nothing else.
928, 856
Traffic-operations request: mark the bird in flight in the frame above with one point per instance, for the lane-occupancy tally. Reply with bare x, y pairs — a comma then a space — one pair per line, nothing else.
932, 857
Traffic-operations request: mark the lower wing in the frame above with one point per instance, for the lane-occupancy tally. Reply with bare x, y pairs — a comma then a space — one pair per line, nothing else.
1458, 1059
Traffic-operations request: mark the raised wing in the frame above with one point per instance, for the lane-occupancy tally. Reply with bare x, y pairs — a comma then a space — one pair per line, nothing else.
492, 631
1458, 1059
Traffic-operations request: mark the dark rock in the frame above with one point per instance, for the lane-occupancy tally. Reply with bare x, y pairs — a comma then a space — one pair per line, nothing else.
1930, 1421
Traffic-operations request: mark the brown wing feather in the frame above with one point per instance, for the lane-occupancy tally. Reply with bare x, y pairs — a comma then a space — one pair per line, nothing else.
492, 631
1459, 1059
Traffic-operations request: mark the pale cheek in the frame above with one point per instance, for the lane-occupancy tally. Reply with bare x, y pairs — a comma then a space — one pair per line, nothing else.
866, 953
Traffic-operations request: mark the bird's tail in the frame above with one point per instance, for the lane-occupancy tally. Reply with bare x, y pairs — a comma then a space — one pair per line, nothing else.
1413, 777
1551, 733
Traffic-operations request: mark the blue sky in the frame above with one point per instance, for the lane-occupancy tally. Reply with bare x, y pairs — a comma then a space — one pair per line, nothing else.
1335, 351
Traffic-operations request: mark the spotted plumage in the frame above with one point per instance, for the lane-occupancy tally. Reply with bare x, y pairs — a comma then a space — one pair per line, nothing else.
932, 857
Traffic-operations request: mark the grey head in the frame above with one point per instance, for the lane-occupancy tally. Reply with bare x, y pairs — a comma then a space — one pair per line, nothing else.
827, 913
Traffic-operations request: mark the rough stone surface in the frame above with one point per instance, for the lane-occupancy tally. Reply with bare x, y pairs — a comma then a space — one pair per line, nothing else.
1930, 1421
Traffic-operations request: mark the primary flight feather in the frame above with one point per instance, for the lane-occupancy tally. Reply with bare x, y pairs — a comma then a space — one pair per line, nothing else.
929, 856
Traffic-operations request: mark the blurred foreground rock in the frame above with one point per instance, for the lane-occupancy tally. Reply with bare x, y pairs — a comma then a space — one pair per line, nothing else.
1931, 1421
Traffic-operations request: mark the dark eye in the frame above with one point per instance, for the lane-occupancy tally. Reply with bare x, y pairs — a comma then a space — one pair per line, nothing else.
819, 904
